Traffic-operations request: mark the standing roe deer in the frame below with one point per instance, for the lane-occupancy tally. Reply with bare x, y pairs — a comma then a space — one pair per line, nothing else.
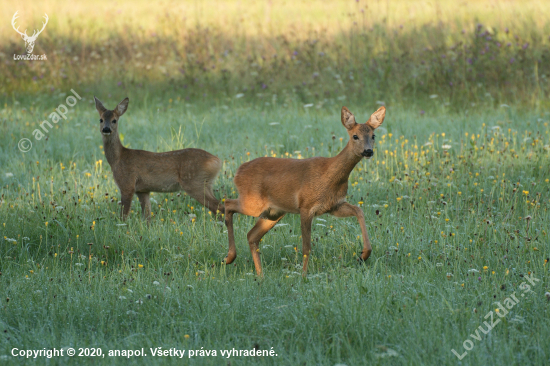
271, 187
142, 172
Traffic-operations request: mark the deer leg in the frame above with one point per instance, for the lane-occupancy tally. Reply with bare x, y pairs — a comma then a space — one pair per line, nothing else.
231, 206
347, 210
306, 220
255, 235
126, 199
202, 192
145, 206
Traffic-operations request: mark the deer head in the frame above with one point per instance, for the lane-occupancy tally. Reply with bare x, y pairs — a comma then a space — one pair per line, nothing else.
29, 41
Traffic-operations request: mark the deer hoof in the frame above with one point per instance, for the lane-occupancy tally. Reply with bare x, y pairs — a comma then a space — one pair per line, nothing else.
229, 258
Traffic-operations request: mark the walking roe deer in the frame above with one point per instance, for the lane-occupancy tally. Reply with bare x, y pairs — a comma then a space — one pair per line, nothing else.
142, 172
269, 188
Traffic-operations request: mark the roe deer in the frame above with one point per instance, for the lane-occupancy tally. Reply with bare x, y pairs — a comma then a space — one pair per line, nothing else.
269, 188
142, 172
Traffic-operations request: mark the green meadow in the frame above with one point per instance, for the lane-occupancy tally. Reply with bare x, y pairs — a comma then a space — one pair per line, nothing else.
455, 197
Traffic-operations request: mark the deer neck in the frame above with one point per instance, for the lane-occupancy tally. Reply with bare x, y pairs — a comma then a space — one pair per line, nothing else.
343, 163
113, 148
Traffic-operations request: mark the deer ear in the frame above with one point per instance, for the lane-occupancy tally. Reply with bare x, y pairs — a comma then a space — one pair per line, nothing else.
377, 118
122, 106
99, 106
348, 119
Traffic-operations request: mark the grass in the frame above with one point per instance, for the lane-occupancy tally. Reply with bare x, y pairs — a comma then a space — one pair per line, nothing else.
434, 214
455, 198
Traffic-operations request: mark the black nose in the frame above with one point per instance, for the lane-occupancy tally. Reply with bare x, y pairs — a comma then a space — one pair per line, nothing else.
106, 130
368, 153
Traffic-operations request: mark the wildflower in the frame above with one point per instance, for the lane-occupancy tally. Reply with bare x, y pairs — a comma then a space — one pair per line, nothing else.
419, 258
156, 283
186, 336
140, 265
485, 268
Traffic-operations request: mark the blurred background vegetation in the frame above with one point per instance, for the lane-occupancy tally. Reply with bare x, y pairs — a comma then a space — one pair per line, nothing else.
279, 52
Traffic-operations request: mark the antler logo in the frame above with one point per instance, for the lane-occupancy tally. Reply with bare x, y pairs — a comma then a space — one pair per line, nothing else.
29, 41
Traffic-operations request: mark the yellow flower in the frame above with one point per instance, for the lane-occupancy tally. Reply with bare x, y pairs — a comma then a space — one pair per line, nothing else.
399, 199
485, 268
140, 265
46, 223
419, 258
385, 206
186, 336
525, 192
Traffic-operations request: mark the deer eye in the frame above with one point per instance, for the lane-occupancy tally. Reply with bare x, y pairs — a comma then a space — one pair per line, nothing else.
101, 120
355, 137
373, 136
114, 121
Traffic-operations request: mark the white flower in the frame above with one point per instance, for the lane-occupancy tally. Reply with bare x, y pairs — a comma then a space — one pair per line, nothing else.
9, 175
473, 270
240, 95
156, 283
122, 297
446, 147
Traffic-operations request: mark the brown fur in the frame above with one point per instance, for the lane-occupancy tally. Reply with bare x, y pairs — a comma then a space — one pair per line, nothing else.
142, 172
269, 188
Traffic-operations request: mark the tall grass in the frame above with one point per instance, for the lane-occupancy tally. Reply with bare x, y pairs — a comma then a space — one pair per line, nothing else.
289, 52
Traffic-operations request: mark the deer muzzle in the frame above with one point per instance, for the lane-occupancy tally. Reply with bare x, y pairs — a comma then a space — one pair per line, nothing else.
367, 153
